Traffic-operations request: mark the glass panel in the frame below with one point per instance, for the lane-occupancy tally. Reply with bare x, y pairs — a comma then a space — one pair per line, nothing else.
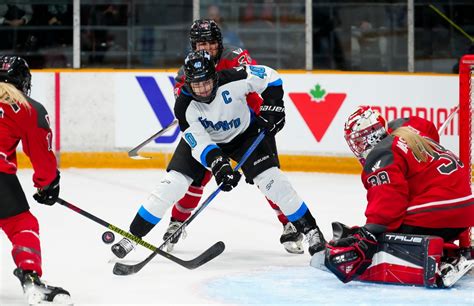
438, 44
135, 34
39, 31
360, 35
271, 30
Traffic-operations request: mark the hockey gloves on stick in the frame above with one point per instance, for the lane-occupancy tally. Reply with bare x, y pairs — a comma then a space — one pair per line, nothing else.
225, 176
49, 194
348, 257
272, 118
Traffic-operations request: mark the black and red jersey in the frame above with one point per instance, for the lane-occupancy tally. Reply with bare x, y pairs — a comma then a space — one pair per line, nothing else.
404, 190
231, 57
30, 125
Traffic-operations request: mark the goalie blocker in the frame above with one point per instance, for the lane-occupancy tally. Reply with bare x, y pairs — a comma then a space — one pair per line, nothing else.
402, 259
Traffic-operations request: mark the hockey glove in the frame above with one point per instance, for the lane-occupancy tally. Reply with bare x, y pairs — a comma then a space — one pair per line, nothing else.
272, 118
49, 194
226, 177
349, 257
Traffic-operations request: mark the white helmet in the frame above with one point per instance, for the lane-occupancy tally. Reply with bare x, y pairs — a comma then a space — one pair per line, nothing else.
363, 130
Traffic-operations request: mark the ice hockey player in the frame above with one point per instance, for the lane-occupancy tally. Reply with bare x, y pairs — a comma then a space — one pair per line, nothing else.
206, 35
23, 119
419, 200
217, 125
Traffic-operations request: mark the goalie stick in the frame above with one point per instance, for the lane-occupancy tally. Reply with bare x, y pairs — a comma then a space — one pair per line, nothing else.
206, 256
124, 269
133, 153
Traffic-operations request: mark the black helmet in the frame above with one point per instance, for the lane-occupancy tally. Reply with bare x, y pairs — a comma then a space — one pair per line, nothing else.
206, 30
199, 67
15, 70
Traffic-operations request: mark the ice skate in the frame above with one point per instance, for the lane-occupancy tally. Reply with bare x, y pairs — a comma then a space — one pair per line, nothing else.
123, 247
316, 241
450, 273
172, 227
38, 292
291, 239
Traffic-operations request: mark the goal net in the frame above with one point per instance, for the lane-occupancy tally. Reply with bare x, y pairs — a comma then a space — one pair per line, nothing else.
466, 98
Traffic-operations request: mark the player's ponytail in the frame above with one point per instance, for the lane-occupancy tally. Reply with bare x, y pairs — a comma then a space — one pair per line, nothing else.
9, 94
420, 147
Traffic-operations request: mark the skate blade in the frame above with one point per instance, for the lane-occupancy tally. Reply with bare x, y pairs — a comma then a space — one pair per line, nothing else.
293, 248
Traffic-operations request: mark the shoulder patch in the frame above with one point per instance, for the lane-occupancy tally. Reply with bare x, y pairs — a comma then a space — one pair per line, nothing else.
231, 75
230, 52
381, 156
395, 124
43, 117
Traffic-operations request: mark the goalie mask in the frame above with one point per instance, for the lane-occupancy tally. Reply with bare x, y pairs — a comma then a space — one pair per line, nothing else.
363, 130
15, 70
200, 76
206, 30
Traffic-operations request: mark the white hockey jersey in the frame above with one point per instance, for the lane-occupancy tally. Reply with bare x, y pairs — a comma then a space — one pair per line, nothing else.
204, 125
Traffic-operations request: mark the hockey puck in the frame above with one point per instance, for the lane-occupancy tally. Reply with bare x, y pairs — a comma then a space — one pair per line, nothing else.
108, 237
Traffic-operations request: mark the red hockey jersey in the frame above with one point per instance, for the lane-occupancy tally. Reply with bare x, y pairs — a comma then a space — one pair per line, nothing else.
403, 190
31, 126
231, 57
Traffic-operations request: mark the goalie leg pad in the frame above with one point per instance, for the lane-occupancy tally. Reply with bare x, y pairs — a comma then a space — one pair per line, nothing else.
405, 259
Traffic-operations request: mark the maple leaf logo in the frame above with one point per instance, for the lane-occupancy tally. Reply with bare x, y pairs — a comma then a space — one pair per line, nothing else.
318, 108
318, 93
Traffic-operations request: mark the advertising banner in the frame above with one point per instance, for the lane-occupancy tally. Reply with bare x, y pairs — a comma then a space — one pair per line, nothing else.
317, 106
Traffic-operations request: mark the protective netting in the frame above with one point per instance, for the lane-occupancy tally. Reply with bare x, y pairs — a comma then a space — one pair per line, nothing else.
466, 98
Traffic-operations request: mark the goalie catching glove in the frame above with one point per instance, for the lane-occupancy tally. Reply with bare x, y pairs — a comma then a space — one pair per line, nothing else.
349, 257
226, 178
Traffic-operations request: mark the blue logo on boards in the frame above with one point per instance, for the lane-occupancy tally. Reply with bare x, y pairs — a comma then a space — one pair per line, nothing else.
158, 103
224, 125
190, 140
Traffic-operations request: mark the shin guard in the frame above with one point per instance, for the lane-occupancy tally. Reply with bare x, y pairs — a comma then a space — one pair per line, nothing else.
23, 232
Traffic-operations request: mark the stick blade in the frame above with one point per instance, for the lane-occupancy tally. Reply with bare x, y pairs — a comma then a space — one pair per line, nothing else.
211, 253
124, 269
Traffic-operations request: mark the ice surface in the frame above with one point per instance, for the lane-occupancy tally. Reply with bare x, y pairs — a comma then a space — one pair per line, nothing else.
254, 268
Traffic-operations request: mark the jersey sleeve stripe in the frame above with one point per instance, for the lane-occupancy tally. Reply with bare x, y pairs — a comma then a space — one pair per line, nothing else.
278, 82
205, 152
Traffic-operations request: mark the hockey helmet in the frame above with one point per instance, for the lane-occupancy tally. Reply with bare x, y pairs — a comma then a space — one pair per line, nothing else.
15, 70
363, 130
206, 30
200, 75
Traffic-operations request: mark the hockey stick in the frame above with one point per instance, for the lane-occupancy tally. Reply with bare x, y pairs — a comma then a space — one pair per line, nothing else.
206, 256
133, 153
434, 8
124, 269
448, 120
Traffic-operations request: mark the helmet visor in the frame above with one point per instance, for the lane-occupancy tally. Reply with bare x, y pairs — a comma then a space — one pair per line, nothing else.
203, 89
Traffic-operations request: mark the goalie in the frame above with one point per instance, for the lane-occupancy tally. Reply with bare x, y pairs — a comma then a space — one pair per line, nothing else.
419, 199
